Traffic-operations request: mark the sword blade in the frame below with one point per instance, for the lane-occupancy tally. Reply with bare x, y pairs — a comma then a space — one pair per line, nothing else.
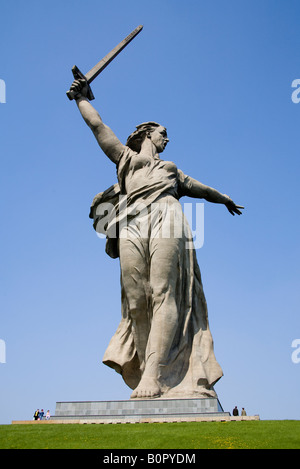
100, 66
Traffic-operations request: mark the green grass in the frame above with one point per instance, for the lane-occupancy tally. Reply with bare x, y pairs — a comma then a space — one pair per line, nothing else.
268, 434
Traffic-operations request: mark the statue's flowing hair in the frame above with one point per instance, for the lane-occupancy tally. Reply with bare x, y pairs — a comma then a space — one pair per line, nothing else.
135, 139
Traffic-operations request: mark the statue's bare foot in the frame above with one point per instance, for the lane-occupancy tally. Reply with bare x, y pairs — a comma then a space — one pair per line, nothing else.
148, 388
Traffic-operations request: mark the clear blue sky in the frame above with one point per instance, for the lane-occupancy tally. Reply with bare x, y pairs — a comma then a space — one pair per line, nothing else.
218, 75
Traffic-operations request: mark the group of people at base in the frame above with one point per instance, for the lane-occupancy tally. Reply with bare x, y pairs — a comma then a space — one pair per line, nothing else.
235, 412
40, 415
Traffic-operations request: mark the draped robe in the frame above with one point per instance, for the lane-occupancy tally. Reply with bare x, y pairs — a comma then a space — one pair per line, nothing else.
191, 369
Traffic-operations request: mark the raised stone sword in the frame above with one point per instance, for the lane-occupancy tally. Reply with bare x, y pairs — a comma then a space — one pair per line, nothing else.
100, 66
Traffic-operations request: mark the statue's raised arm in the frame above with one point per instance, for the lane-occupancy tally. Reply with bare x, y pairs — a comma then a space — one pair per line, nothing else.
108, 141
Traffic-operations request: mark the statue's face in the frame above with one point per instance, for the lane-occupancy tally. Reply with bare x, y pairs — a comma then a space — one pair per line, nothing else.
159, 138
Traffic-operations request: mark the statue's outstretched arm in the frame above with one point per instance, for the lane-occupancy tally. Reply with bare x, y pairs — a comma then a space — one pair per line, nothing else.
196, 189
106, 138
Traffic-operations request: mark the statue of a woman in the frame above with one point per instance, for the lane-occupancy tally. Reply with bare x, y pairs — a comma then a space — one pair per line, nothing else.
163, 346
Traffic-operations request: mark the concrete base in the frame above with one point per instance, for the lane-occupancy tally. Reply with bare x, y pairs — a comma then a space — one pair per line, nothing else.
140, 410
141, 420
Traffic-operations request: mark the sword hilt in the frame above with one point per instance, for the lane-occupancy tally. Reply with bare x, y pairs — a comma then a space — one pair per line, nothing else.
79, 75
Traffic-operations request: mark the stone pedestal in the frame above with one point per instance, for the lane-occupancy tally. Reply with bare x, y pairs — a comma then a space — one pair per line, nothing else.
139, 410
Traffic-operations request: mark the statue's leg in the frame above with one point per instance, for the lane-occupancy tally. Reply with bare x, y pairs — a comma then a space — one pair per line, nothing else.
164, 269
135, 277
165, 252
150, 272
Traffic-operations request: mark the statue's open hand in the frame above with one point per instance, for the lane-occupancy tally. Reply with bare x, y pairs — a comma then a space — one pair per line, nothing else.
233, 208
80, 88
